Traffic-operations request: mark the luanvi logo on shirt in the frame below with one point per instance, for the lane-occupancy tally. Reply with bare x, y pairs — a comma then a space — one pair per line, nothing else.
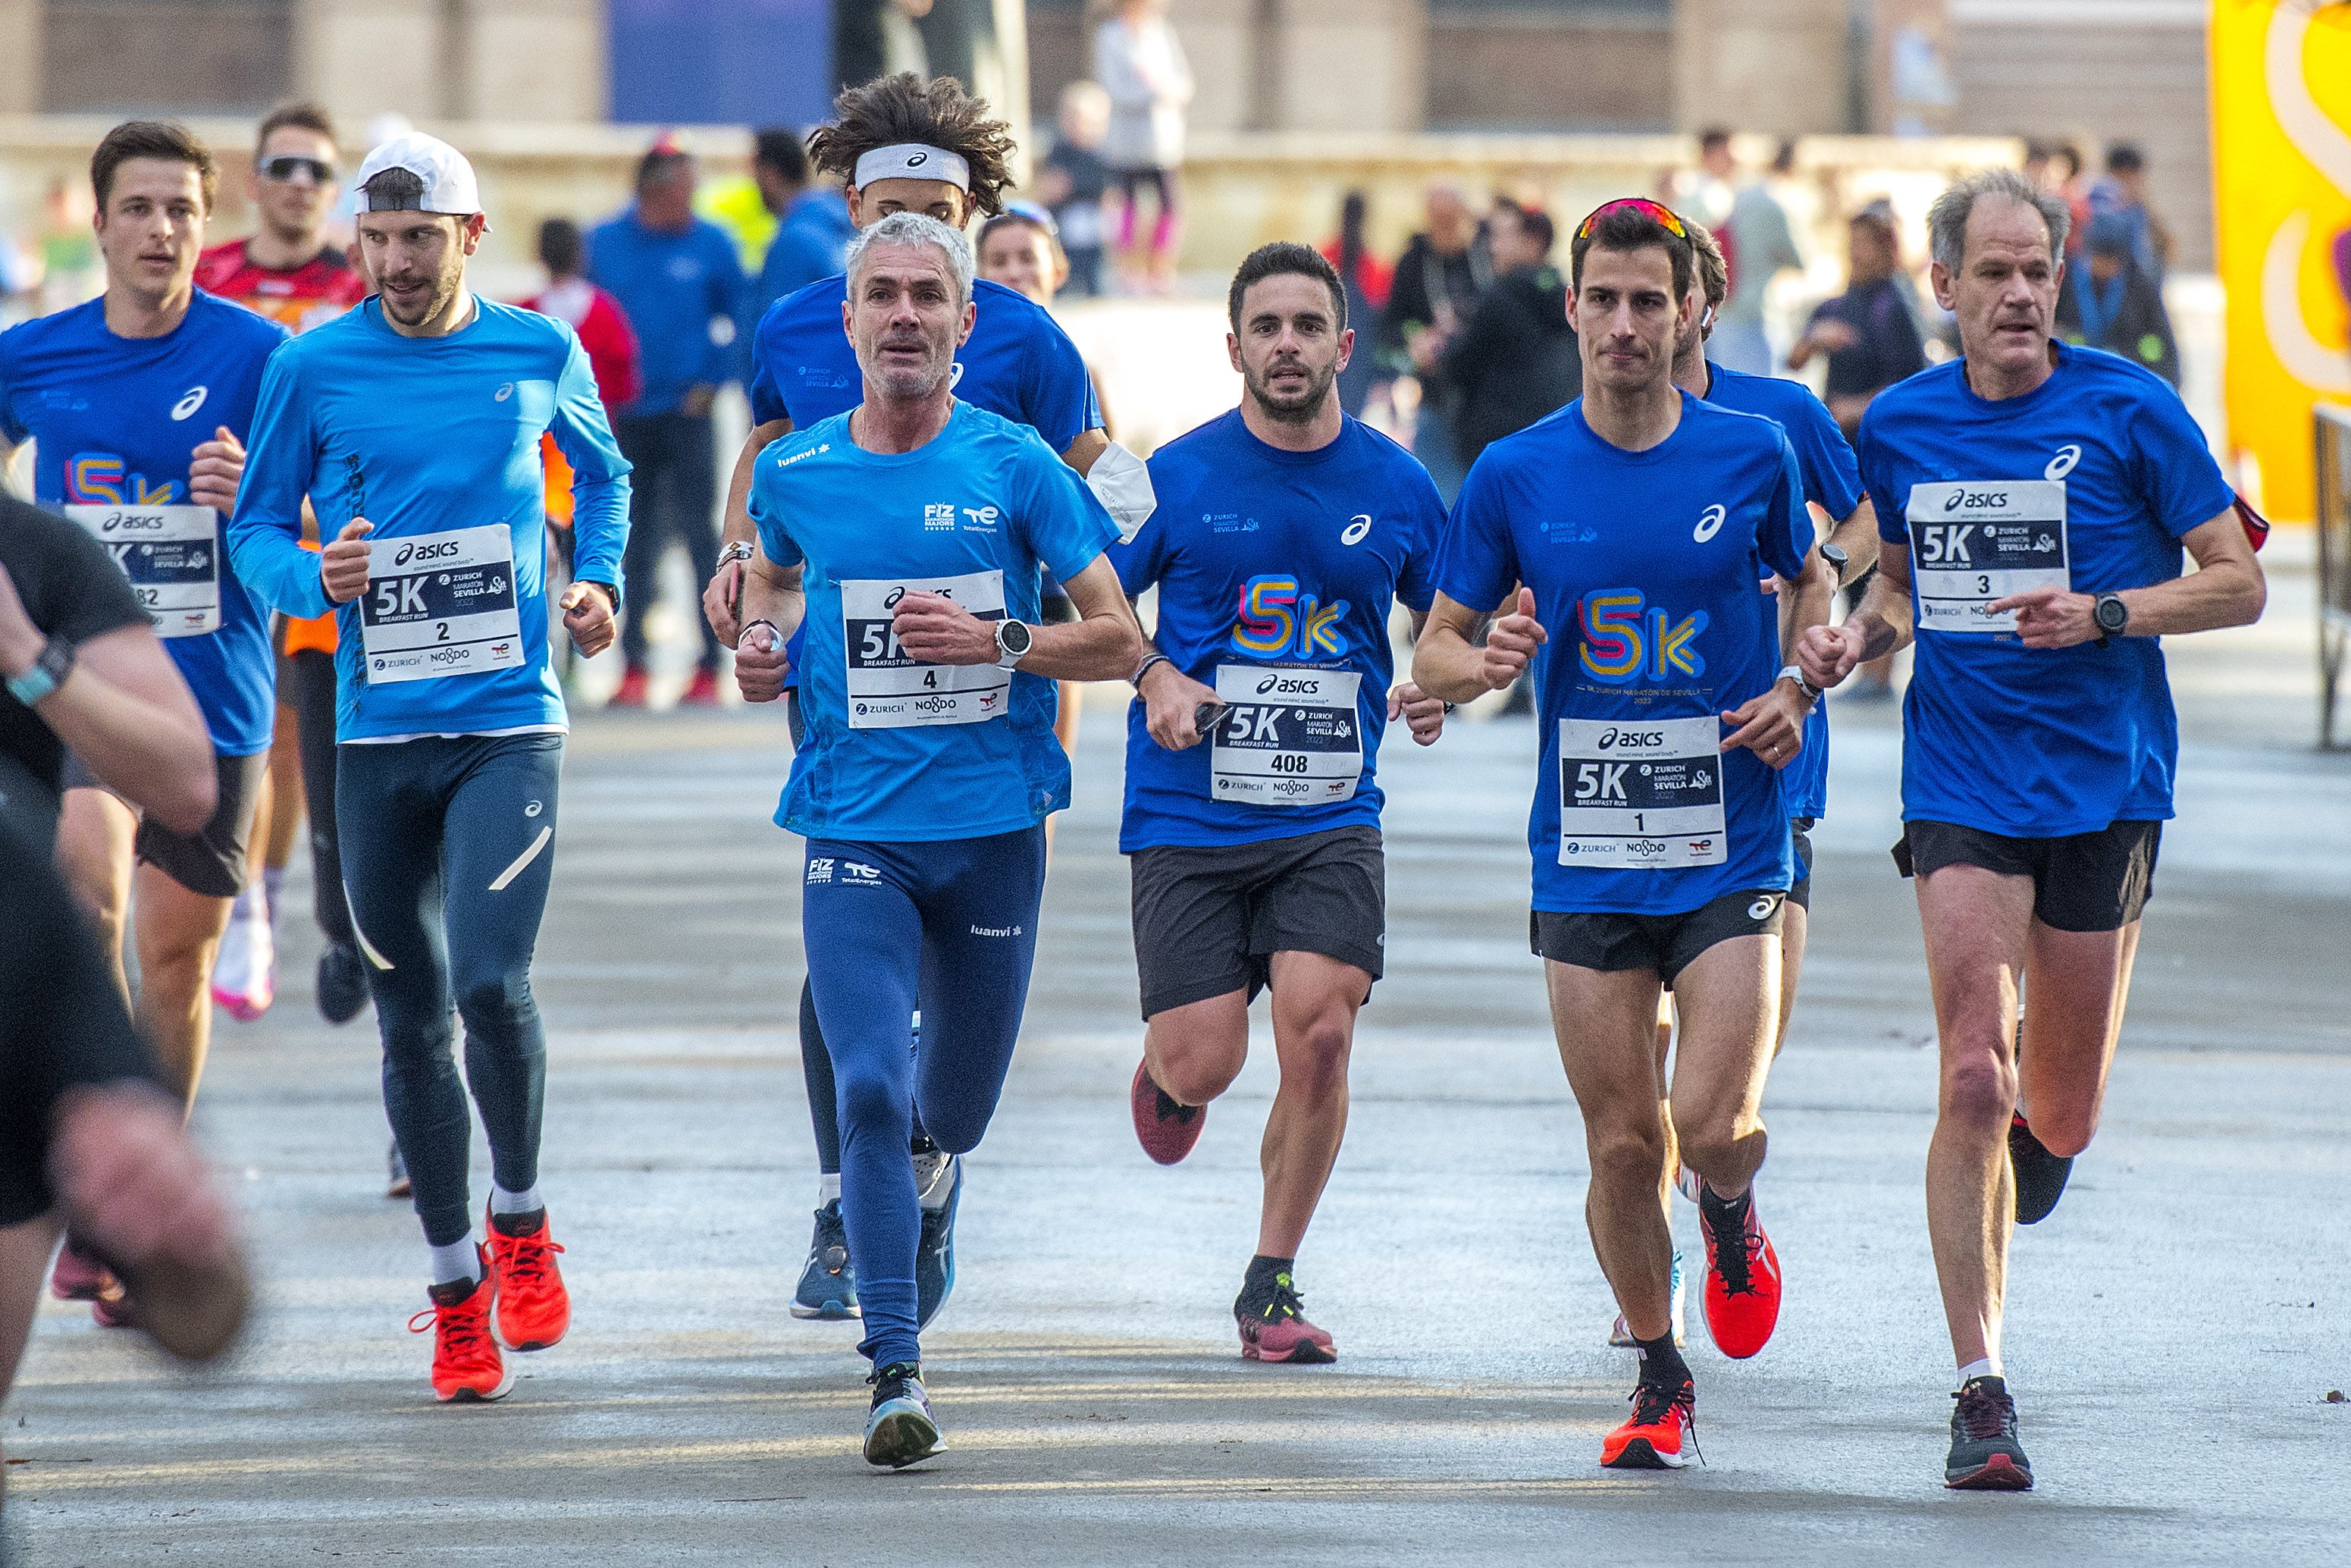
1356, 529
2062, 464
193, 400
1709, 523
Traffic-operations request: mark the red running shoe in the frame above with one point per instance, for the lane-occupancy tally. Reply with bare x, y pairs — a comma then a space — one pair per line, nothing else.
1653, 1436
702, 691
533, 1309
466, 1365
1742, 1275
77, 1277
110, 1308
632, 690
1167, 1130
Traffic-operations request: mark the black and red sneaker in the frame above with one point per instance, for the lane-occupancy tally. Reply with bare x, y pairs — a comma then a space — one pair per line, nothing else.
1658, 1431
1985, 1456
2041, 1177
1167, 1129
1742, 1274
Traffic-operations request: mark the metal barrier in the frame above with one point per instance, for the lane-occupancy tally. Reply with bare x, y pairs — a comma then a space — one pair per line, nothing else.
2331, 424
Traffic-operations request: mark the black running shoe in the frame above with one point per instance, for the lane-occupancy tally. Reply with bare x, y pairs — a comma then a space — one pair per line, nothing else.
2041, 1176
900, 1430
1984, 1455
342, 982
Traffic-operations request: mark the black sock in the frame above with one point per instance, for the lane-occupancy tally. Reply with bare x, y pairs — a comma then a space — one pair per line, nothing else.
1661, 1363
1257, 1285
1724, 1213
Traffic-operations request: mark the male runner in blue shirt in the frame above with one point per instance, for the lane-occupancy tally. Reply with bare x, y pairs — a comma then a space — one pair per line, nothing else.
411, 427
2034, 499
1638, 521
138, 402
1284, 535
918, 524
904, 144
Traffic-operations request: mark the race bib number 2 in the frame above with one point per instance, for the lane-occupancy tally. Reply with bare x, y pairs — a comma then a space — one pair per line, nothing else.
887, 687
171, 556
1975, 543
440, 605
1641, 793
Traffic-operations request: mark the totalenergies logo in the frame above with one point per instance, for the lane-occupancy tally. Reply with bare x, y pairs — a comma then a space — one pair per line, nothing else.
1627, 640
1275, 618
98, 478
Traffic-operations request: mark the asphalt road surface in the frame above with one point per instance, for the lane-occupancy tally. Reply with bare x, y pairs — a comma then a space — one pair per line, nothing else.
2174, 1332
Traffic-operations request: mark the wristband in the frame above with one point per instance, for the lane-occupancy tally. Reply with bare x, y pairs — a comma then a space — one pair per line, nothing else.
763, 621
1143, 669
735, 550
1796, 672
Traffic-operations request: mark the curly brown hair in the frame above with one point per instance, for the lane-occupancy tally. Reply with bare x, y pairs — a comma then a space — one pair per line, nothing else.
937, 113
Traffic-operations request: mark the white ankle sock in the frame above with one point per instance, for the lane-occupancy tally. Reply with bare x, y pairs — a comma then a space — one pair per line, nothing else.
828, 1188
523, 1202
1988, 1367
460, 1260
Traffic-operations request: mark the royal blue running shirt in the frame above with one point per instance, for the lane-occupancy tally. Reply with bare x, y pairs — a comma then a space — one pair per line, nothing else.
1833, 483
435, 442
2089, 481
896, 751
118, 421
1644, 566
1275, 571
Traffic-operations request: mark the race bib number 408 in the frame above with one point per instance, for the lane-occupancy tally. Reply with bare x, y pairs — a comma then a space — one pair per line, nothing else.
439, 605
1641, 793
1975, 543
172, 556
888, 688
1287, 737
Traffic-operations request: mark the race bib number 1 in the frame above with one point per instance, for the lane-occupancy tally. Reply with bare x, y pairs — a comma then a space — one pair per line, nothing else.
1974, 542
440, 605
1287, 737
887, 687
172, 556
1635, 794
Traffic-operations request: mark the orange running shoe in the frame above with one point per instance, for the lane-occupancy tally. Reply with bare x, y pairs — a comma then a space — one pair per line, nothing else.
1742, 1275
533, 1309
466, 1365
1653, 1436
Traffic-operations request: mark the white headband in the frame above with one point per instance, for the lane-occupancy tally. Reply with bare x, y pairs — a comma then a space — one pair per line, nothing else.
913, 160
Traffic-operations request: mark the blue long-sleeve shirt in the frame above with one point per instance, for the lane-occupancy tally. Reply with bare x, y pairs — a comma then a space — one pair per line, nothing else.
426, 437
675, 288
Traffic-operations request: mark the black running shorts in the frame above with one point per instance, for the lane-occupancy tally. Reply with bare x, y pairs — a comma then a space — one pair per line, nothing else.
1209, 921
2081, 881
211, 860
1665, 942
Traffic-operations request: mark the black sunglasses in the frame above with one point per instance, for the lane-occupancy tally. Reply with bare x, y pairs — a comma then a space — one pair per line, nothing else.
286, 167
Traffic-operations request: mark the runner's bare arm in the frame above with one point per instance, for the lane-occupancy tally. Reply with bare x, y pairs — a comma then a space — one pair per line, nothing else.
1448, 664
1881, 625
1103, 645
725, 589
2226, 589
1856, 534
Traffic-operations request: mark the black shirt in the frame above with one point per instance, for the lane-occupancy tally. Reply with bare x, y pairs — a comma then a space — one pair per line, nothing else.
73, 591
1885, 347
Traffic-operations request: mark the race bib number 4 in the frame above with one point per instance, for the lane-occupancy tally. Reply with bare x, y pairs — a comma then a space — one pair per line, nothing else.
172, 556
439, 605
887, 687
1287, 737
1641, 793
1974, 542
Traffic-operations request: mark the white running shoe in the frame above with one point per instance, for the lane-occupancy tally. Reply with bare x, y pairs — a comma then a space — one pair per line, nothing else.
245, 971
1621, 1337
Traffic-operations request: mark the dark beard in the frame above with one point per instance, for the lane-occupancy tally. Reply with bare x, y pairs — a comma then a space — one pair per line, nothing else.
1301, 412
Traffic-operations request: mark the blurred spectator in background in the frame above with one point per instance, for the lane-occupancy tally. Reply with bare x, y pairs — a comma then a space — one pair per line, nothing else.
70, 271
2123, 192
1367, 281
1706, 195
1140, 63
680, 286
2110, 302
1759, 244
1515, 359
1075, 183
812, 226
1868, 333
593, 313
1436, 284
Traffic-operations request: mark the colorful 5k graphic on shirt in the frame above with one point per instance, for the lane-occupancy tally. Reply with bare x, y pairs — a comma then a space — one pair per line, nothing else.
98, 478
1627, 640
1275, 618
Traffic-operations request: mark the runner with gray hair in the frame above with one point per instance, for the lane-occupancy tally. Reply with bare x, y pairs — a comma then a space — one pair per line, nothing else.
917, 228
1947, 220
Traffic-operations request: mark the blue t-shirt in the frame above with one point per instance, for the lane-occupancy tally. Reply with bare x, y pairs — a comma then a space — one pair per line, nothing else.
2036, 742
433, 437
897, 752
1833, 483
1267, 559
672, 287
1643, 567
118, 421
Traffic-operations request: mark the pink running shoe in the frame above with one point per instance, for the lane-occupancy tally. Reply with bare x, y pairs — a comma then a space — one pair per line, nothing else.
77, 1277
1166, 1129
1276, 1329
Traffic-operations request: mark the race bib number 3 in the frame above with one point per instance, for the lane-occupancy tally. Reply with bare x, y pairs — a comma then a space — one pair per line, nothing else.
887, 687
1287, 737
1641, 793
172, 556
439, 605
1974, 542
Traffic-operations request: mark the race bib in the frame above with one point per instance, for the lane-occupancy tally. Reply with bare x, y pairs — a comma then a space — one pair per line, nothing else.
440, 605
1635, 793
1287, 737
172, 556
1976, 541
887, 689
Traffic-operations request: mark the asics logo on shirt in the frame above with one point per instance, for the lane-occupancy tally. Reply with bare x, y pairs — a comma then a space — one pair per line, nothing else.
1356, 529
503, 392
191, 401
1626, 639
2062, 464
1275, 617
1709, 523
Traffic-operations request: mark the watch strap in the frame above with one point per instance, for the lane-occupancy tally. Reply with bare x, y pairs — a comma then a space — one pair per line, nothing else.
46, 675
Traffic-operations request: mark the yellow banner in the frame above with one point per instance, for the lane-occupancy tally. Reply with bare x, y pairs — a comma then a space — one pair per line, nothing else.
2282, 173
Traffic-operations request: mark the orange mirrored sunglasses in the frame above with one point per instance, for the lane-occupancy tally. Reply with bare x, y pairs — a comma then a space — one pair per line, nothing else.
1658, 212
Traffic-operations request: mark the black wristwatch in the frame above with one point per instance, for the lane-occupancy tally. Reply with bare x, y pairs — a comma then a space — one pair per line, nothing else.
2111, 615
1838, 560
612, 591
